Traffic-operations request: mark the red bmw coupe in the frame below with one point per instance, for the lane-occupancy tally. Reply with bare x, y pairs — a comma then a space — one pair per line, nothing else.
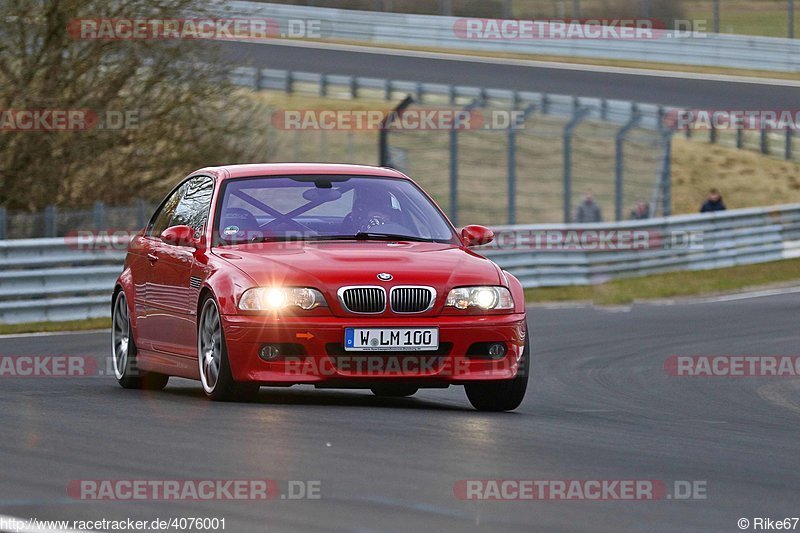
333, 275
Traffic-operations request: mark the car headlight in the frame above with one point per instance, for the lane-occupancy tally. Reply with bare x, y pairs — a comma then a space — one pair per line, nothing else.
487, 298
277, 298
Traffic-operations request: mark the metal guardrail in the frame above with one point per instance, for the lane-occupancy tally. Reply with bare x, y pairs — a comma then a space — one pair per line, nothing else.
352, 87
728, 238
720, 50
55, 280
51, 280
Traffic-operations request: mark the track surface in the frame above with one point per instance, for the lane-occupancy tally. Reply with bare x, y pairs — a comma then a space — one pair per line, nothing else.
666, 90
600, 406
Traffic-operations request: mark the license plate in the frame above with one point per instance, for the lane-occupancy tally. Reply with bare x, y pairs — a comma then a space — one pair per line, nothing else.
390, 339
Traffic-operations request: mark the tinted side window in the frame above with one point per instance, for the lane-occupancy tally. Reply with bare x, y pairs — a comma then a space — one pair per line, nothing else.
167, 211
195, 203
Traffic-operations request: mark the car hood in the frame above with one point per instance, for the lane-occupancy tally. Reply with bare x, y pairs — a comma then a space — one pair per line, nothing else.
330, 265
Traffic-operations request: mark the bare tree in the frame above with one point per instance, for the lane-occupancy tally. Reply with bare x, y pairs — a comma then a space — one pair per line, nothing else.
181, 112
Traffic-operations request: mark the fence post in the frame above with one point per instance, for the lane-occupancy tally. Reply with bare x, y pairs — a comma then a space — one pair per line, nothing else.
739, 138
446, 8
788, 148
512, 174
289, 86
512, 163
454, 176
323, 145
712, 134
257, 79
3, 223
454, 165
99, 215
323, 85
383, 135
764, 141
716, 17
50, 221
508, 12
666, 174
351, 150
577, 118
620, 160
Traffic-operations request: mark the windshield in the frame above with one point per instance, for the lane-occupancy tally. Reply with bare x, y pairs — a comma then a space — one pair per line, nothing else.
327, 208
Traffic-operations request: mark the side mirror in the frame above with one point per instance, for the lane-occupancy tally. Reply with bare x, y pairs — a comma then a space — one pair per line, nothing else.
179, 236
476, 235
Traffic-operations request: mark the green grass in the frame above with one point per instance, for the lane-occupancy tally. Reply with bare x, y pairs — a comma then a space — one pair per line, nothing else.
71, 325
746, 17
674, 284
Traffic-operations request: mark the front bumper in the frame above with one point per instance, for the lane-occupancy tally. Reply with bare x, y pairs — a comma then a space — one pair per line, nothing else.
319, 356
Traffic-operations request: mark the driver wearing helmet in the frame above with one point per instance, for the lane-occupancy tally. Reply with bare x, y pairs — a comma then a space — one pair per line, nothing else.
372, 208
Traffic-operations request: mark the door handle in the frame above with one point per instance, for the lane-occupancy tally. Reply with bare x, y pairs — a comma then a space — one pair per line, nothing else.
152, 258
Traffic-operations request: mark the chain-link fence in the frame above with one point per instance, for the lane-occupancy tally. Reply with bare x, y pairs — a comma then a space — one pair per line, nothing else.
540, 171
56, 222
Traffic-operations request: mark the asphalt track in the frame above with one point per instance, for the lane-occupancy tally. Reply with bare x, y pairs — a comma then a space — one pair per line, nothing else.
600, 406
681, 90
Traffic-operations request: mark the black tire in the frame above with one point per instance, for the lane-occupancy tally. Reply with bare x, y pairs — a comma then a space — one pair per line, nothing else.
128, 374
502, 395
224, 388
394, 390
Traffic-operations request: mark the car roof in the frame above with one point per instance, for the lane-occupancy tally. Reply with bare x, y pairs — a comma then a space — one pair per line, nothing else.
291, 169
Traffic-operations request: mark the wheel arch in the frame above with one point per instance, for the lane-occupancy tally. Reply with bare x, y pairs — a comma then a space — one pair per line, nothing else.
205, 292
124, 284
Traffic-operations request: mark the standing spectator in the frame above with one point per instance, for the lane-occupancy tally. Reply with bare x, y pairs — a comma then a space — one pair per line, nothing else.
641, 211
713, 202
589, 211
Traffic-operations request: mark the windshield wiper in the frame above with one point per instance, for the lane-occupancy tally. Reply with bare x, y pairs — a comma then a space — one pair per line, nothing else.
370, 236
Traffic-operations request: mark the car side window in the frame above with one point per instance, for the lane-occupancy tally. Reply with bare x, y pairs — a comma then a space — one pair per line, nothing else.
194, 204
163, 218
188, 205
